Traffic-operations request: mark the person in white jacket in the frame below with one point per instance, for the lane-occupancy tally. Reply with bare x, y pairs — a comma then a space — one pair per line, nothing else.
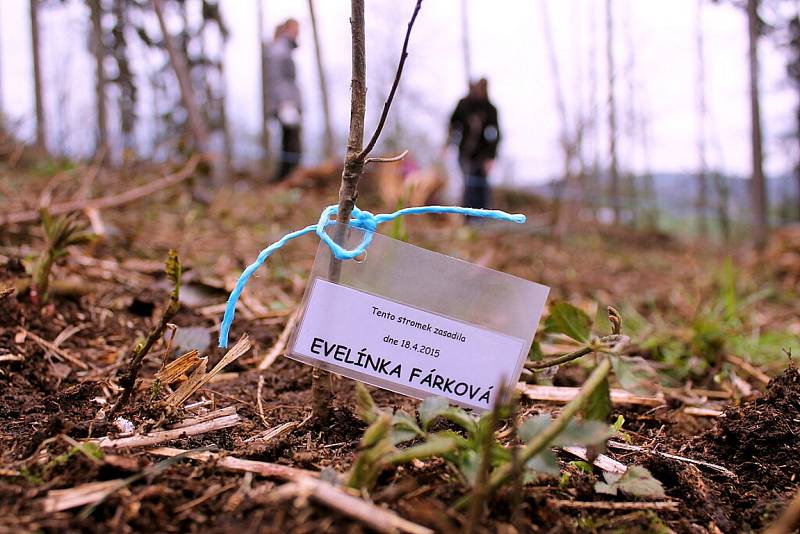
284, 96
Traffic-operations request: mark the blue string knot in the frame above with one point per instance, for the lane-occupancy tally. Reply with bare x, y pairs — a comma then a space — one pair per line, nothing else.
360, 219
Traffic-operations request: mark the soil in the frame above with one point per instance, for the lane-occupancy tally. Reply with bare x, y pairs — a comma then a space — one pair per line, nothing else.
44, 396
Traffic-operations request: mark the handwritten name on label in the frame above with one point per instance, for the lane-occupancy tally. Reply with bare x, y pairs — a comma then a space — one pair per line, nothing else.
403, 348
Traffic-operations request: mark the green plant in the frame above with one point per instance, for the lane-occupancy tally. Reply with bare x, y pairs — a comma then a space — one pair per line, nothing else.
60, 234
463, 449
172, 267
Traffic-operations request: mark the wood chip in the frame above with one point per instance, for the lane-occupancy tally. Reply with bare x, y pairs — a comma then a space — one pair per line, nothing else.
153, 438
668, 506
563, 395
200, 377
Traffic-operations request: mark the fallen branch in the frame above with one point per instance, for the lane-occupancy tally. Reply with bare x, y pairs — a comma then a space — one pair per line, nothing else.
305, 484
636, 448
667, 506
55, 349
232, 463
111, 201
602, 461
561, 394
279, 346
699, 411
748, 368
153, 438
64, 499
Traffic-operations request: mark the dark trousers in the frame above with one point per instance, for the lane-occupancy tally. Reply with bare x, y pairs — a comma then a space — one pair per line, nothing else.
291, 150
476, 185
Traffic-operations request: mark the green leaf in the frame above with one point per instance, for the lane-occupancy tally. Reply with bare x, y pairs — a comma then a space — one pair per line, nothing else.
469, 463
376, 431
584, 434
545, 462
404, 428
461, 418
635, 482
598, 405
435, 446
566, 319
430, 409
535, 354
365, 406
533, 427
635, 374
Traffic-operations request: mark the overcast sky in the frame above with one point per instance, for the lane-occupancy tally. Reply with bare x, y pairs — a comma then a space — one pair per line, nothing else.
507, 46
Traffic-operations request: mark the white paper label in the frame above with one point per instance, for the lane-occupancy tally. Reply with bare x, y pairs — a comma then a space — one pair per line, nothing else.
405, 349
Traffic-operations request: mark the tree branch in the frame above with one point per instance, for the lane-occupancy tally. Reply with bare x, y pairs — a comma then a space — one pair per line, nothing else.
388, 104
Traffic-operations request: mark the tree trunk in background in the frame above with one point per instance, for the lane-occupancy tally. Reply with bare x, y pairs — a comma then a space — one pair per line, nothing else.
702, 170
758, 183
264, 57
100, 76
616, 202
465, 41
196, 123
38, 91
561, 188
323, 84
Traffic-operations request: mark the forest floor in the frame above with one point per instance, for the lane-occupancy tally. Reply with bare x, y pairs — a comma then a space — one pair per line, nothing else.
714, 322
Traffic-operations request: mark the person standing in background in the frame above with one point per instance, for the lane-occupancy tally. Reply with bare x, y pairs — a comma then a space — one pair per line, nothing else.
284, 98
474, 128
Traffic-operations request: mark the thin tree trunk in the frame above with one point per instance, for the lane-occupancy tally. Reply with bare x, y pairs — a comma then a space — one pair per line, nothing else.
100, 76
38, 90
631, 195
616, 202
323, 84
196, 123
264, 56
758, 183
702, 114
465, 48
561, 189
353, 169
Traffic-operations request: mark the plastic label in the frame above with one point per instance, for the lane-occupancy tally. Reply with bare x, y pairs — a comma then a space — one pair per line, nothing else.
417, 322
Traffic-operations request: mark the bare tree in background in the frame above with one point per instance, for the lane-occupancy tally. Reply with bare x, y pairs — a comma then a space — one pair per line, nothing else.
569, 138
99, 52
38, 90
465, 48
124, 79
702, 115
323, 84
613, 170
197, 125
264, 65
758, 182
793, 71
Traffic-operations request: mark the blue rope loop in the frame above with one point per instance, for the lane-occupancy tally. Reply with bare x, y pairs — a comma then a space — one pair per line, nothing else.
360, 219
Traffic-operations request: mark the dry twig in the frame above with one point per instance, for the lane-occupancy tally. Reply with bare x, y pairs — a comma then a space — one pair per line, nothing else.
153, 438
111, 201
563, 394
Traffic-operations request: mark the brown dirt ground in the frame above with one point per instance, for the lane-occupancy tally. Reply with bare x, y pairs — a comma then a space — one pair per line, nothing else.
42, 397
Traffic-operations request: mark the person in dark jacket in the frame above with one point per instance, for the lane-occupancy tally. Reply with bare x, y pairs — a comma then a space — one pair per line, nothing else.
474, 128
284, 96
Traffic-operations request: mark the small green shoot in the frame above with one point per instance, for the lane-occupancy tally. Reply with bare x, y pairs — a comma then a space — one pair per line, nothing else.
59, 234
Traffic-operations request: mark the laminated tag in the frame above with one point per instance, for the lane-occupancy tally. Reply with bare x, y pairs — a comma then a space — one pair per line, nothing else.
417, 322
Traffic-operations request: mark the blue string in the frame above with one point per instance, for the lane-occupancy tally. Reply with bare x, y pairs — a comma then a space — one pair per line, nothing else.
360, 219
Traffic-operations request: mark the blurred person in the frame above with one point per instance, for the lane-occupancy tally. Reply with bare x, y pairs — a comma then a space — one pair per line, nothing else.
284, 96
474, 128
